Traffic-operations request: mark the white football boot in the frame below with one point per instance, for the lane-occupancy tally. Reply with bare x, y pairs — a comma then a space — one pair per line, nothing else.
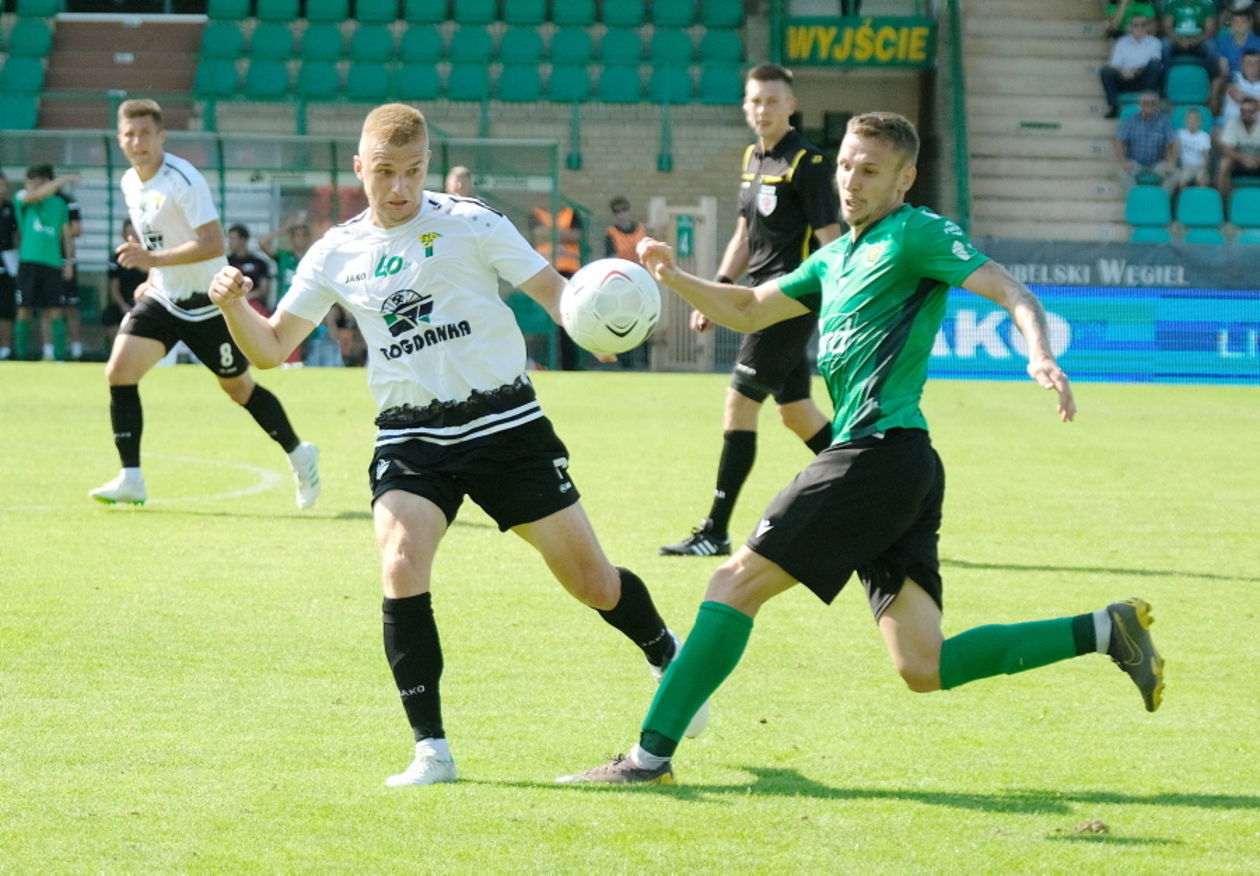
305, 464
701, 718
127, 488
433, 764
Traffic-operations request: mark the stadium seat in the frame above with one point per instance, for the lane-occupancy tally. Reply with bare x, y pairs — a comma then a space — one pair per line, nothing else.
318, 80
1206, 236
568, 82
1147, 205
1129, 109
31, 37
18, 112
521, 45
266, 79
369, 82
471, 45
1178, 116
621, 45
421, 45
579, 13
673, 13
271, 40
524, 11
721, 84
375, 11
38, 8
1244, 208
670, 47
1247, 237
721, 47
22, 75
277, 10
321, 41
475, 12
215, 77
670, 85
417, 81
335, 11
570, 45
468, 82
1187, 85
372, 42
222, 39
620, 85
1151, 234
519, 83
424, 11
721, 13
228, 10
1200, 207
623, 13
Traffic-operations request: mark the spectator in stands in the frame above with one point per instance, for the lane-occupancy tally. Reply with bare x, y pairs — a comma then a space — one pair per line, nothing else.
1240, 147
251, 265
1194, 150
624, 234
1189, 33
566, 260
1246, 84
1233, 43
1119, 15
46, 252
459, 182
1136, 64
123, 284
8, 269
1145, 144
285, 247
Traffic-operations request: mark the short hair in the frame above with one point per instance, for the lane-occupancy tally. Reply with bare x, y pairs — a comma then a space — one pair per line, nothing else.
619, 203
893, 128
769, 73
396, 124
40, 171
138, 108
240, 229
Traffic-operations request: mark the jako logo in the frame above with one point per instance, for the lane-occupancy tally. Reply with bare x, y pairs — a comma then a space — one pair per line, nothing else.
966, 333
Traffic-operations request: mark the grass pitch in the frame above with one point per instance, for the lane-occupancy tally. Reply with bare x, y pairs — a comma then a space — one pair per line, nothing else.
199, 685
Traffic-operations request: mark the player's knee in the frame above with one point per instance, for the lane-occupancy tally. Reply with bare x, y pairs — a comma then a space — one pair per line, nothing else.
594, 584
237, 391
921, 676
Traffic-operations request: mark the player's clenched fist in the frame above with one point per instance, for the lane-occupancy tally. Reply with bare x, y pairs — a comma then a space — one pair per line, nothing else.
229, 285
655, 255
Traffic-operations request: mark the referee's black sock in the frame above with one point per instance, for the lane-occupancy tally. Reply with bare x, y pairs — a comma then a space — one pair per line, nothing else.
414, 653
739, 450
637, 618
821, 440
127, 418
269, 413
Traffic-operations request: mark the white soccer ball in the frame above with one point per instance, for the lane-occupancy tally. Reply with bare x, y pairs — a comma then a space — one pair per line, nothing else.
610, 306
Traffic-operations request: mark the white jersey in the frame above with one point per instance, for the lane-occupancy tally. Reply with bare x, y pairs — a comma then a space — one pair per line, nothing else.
166, 211
446, 359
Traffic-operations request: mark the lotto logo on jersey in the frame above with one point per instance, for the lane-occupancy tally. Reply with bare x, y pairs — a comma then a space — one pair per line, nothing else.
404, 309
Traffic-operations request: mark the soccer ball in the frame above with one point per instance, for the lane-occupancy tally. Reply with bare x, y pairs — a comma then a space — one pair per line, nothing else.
610, 306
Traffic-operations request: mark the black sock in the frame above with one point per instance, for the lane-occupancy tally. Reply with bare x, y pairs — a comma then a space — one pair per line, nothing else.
415, 656
269, 413
739, 449
821, 440
637, 618
127, 418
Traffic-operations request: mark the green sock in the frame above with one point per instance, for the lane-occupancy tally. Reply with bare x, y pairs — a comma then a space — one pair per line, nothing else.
710, 653
989, 650
60, 348
21, 338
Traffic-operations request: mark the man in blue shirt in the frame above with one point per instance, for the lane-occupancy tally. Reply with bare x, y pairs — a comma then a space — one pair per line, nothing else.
1145, 143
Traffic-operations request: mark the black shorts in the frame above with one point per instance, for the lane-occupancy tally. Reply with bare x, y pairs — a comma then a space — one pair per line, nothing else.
871, 506
773, 362
210, 340
8, 297
41, 285
517, 476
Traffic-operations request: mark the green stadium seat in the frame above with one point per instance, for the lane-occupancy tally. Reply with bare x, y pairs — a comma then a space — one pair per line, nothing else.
321, 41
475, 11
1130, 109
721, 47
222, 39
468, 82
318, 80
271, 40
369, 82
620, 84
1187, 85
1178, 116
38, 8
620, 46
623, 13
18, 112
417, 81
568, 82
670, 47
524, 11
1246, 237
1151, 234
1205, 236
471, 45
519, 83
335, 11
521, 45
372, 42
1246, 182
216, 77
228, 10
21, 75
1147, 205
1127, 97
375, 11
721, 84
266, 79
670, 85
673, 13
31, 37
721, 13
277, 10
577, 13
421, 45
424, 11
570, 45
1244, 208
1200, 207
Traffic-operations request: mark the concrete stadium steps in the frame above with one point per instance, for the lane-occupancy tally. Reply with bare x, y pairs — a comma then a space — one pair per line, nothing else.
1033, 76
1034, 230
1038, 190
983, 26
1023, 10
1037, 107
1036, 148
1020, 170
1037, 47
1024, 124
1046, 210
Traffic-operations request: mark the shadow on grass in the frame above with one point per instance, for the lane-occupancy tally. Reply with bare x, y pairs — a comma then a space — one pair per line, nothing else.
1096, 570
292, 515
1107, 840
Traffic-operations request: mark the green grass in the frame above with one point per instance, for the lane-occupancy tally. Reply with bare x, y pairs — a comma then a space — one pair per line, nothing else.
199, 685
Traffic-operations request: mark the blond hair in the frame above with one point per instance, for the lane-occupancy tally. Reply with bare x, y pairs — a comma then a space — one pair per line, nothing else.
894, 129
395, 124
139, 107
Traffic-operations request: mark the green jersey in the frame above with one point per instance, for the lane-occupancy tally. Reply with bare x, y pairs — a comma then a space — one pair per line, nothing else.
880, 299
40, 224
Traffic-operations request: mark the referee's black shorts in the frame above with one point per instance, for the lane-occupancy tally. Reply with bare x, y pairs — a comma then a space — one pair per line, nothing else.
871, 506
773, 361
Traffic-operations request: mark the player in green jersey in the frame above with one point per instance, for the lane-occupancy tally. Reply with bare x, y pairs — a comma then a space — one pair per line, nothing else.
871, 502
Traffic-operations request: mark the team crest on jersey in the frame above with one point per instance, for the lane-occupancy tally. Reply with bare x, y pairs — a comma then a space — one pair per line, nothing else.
875, 251
767, 199
426, 240
404, 309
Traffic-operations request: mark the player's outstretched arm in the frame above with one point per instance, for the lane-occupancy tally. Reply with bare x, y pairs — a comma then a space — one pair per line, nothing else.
267, 342
545, 288
994, 282
736, 307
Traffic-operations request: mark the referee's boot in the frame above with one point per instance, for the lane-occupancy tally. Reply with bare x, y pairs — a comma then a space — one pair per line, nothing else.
1133, 651
702, 542
126, 489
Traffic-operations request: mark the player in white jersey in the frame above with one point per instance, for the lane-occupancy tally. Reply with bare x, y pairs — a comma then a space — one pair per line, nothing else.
180, 244
458, 416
